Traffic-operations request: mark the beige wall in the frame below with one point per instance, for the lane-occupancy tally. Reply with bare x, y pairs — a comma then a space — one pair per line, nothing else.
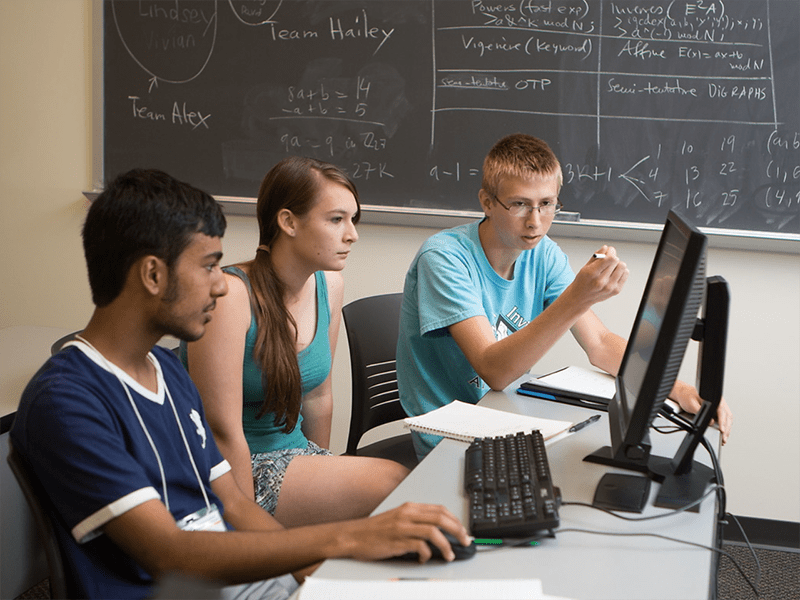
45, 163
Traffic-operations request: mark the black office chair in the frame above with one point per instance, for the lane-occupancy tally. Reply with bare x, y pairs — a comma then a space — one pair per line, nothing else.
60, 342
372, 330
60, 585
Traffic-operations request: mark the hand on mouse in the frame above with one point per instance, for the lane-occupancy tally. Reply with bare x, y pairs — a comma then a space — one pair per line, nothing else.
405, 529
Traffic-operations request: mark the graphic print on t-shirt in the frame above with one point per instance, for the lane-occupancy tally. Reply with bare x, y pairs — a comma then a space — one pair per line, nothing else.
198, 422
509, 323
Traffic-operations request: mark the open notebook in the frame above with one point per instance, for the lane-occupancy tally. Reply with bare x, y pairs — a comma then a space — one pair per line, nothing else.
462, 421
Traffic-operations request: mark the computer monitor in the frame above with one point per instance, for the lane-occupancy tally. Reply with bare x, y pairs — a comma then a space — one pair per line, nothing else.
665, 322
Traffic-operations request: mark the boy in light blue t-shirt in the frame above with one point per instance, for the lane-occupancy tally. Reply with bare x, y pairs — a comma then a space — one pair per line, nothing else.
471, 287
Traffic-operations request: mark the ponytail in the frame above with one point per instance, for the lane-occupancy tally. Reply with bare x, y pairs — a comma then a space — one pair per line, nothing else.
292, 184
275, 348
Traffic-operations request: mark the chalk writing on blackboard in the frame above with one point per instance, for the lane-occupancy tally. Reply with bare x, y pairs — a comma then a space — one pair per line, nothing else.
185, 36
651, 105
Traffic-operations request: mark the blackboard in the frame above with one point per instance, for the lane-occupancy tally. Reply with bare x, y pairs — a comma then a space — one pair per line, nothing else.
650, 105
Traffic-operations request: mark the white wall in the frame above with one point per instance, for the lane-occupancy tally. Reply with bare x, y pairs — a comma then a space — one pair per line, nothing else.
45, 164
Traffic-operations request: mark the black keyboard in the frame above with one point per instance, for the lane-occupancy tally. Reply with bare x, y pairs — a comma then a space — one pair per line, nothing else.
511, 493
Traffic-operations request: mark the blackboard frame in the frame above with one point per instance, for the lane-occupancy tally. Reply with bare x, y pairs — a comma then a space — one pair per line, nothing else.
739, 239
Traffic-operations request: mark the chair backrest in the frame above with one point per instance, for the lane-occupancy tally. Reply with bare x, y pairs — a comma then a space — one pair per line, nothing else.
372, 328
37, 499
60, 342
63, 341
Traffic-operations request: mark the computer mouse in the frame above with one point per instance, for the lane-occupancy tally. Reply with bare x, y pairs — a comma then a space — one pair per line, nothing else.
461, 552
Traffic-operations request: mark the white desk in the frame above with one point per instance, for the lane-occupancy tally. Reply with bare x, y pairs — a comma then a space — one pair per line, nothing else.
573, 565
23, 350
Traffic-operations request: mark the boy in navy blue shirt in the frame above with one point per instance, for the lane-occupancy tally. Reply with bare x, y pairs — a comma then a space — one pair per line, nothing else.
114, 429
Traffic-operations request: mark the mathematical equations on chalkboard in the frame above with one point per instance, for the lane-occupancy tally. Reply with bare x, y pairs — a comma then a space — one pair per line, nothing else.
650, 105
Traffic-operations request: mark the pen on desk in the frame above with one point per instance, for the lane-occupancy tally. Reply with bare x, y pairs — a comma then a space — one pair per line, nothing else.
598, 255
582, 424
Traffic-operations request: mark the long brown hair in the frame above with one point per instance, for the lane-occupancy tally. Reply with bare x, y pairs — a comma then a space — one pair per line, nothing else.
293, 184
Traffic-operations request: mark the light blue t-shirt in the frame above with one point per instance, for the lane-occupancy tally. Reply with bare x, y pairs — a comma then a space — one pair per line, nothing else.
449, 281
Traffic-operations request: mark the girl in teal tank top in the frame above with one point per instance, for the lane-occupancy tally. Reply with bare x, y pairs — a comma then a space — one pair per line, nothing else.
265, 434
263, 367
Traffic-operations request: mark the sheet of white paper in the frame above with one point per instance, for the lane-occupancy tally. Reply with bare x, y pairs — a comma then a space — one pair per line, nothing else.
586, 381
316, 588
581, 381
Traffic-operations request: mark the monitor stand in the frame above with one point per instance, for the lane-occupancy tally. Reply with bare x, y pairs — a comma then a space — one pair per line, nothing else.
605, 456
684, 479
622, 492
677, 491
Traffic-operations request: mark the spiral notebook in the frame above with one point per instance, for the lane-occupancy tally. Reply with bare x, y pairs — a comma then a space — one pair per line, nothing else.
462, 421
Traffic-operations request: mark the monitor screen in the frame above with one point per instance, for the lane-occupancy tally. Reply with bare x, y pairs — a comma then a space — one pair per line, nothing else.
665, 322
661, 331
646, 335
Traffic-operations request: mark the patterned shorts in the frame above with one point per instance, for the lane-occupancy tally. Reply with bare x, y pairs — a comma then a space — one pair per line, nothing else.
269, 469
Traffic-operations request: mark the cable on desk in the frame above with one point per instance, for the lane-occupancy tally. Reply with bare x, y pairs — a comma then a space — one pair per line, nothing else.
485, 545
667, 429
682, 423
717, 474
719, 489
753, 586
671, 513
679, 421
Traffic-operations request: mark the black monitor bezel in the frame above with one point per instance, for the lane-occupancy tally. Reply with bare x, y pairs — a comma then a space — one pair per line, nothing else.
630, 429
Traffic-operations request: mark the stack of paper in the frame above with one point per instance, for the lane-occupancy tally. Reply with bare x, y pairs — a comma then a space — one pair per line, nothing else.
577, 382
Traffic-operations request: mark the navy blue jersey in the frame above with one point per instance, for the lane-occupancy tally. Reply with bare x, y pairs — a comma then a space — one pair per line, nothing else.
78, 430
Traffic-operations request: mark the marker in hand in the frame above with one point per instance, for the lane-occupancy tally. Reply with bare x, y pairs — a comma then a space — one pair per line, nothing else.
598, 255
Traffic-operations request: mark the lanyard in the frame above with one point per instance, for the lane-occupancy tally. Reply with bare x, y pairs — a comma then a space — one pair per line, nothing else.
114, 369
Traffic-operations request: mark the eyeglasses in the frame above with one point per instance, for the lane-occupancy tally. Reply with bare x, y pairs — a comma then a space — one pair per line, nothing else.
518, 208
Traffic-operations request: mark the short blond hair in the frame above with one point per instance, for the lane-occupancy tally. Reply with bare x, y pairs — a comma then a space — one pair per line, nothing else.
519, 155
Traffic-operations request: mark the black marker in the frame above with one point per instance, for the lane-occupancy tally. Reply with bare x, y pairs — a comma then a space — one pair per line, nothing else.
583, 424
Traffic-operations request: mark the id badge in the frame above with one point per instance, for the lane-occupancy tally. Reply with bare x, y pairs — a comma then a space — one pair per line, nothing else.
205, 519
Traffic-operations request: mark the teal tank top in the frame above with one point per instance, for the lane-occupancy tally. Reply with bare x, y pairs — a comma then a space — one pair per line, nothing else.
264, 435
